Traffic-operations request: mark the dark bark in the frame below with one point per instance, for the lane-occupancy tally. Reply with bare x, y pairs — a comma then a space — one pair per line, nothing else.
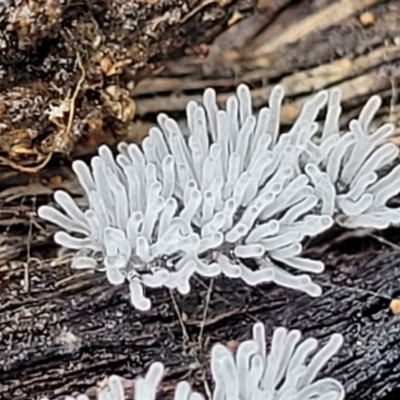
69, 330
62, 331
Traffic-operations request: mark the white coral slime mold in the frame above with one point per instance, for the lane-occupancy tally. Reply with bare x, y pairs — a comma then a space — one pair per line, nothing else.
144, 389
227, 188
287, 372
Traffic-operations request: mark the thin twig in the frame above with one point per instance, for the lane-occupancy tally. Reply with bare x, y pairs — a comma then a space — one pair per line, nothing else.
359, 290
27, 170
28, 257
75, 94
384, 241
206, 385
178, 313
208, 297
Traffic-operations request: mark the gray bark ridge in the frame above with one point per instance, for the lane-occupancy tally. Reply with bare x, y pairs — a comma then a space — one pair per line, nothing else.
72, 328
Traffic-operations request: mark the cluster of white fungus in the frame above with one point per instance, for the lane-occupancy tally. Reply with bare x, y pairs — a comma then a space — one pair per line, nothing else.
287, 372
229, 187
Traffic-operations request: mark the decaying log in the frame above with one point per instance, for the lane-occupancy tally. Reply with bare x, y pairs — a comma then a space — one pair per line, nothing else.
63, 332
67, 67
354, 45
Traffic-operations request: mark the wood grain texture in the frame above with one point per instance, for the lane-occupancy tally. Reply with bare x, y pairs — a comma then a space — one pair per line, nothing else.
72, 329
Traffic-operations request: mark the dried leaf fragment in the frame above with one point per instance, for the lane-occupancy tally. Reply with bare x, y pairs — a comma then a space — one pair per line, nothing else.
119, 103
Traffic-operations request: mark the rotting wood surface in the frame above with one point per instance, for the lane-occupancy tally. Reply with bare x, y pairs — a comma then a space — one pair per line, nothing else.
70, 330
67, 67
358, 51
62, 331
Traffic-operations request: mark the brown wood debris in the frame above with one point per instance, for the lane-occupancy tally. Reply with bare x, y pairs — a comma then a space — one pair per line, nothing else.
67, 68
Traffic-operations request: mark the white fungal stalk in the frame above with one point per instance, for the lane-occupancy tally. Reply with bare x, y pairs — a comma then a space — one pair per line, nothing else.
287, 372
229, 188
